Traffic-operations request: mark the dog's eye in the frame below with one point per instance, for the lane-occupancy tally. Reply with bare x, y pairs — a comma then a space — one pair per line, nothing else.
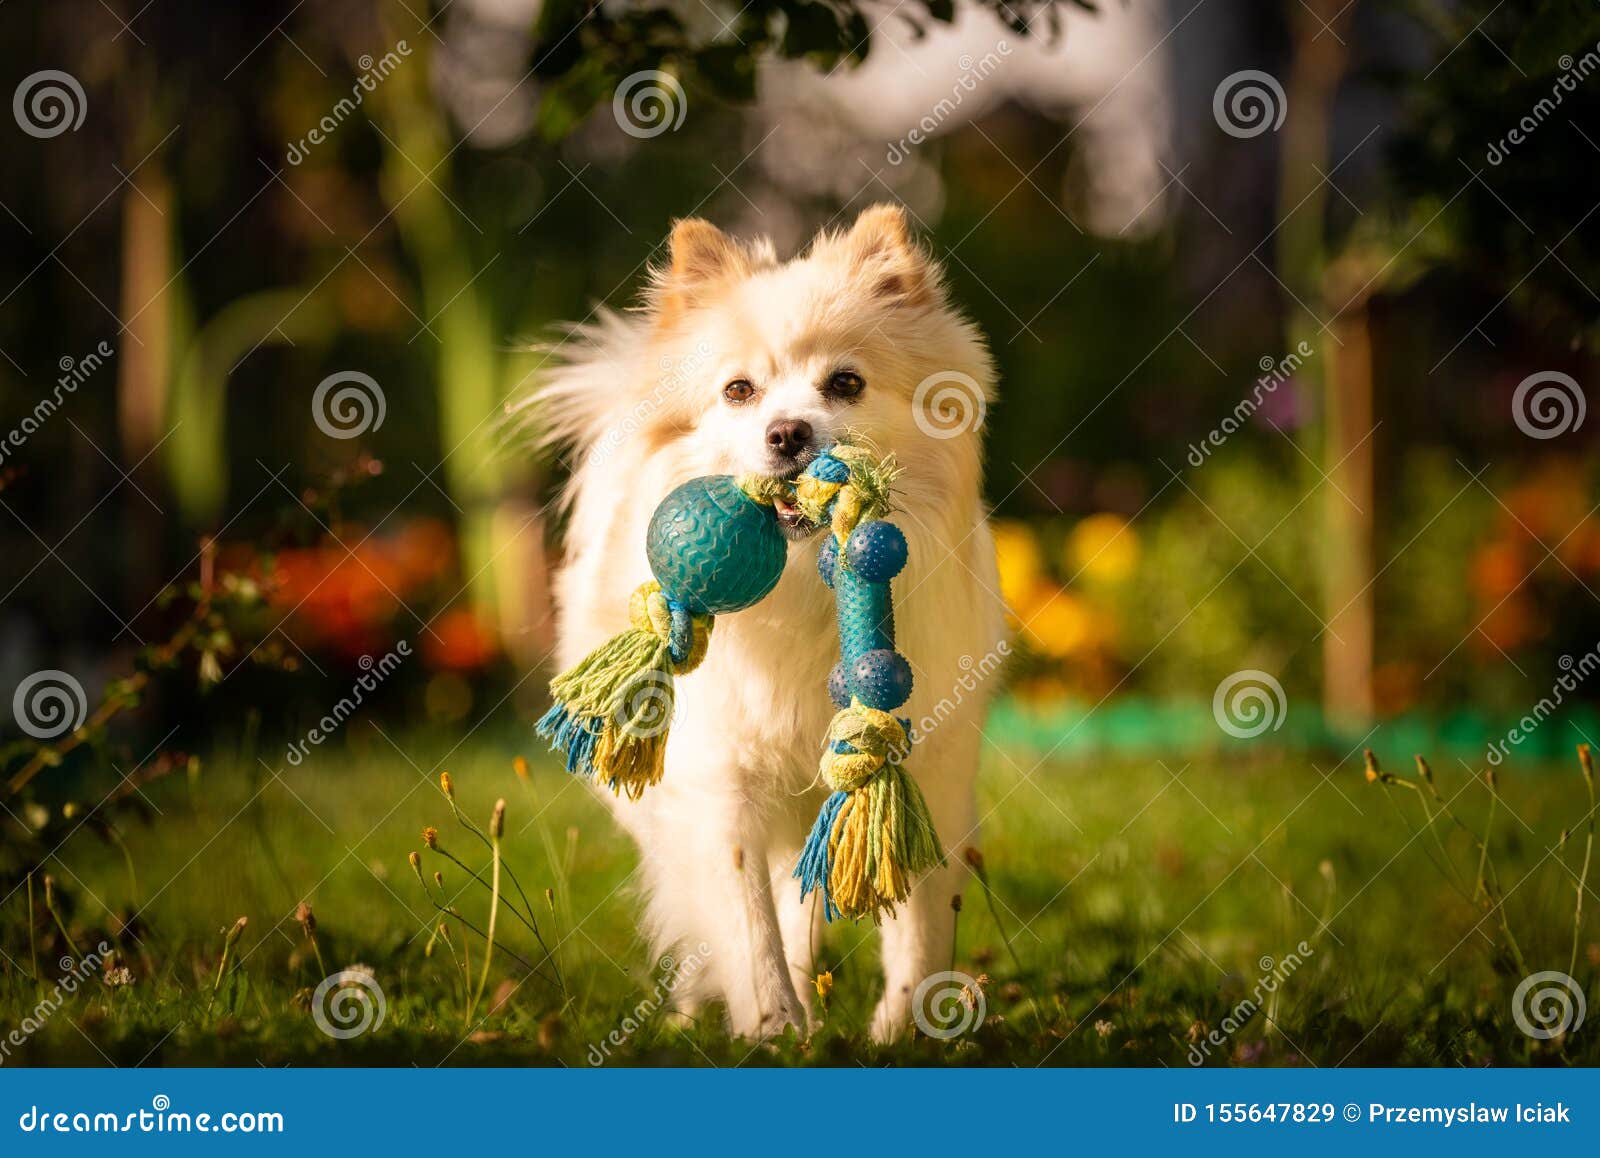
737, 391
845, 384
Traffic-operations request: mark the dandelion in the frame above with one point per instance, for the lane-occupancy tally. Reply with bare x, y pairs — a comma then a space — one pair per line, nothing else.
229, 940
308, 922
824, 983
520, 766
430, 837
497, 828
447, 785
1585, 761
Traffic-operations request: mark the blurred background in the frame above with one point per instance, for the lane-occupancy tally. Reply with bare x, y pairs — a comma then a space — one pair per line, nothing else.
1296, 230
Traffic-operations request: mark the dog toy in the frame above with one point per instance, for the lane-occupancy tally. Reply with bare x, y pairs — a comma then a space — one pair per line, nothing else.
714, 546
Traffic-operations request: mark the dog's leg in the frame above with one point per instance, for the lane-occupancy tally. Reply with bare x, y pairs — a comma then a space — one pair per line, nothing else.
710, 887
919, 940
801, 922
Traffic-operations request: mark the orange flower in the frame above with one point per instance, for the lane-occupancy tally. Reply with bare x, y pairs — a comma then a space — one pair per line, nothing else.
458, 641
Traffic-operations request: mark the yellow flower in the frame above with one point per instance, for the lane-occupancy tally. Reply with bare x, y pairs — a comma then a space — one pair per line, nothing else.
824, 984
1102, 548
1020, 560
1057, 622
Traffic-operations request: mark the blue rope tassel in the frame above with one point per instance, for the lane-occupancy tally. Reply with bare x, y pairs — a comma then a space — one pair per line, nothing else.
574, 735
815, 862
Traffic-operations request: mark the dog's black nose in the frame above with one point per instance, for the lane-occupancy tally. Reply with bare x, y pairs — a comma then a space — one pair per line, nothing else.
789, 436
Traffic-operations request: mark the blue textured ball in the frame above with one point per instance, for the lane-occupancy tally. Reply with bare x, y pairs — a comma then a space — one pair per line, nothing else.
881, 679
876, 551
838, 687
827, 558
713, 548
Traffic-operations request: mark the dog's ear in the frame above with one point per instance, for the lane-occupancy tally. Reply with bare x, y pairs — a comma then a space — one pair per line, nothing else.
701, 255
880, 247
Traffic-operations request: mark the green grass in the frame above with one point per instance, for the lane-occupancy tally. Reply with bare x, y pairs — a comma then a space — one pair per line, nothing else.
1140, 899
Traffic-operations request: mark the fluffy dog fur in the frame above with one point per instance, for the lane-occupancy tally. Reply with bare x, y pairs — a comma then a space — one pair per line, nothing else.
640, 401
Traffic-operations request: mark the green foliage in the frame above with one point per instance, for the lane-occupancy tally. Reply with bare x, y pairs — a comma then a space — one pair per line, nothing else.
1227, 580
1502, 72
583, 52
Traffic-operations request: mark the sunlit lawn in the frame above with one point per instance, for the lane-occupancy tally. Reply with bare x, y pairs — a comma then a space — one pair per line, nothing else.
1142, 901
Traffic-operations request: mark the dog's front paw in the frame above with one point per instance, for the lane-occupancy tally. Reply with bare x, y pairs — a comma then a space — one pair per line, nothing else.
891, 1021
775, 1024
773, 1019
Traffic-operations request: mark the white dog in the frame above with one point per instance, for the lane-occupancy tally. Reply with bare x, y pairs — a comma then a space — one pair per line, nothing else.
739, 363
